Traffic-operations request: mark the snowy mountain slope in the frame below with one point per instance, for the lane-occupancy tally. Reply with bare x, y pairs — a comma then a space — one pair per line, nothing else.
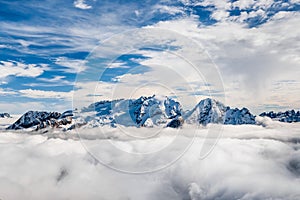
287, 116
212, 111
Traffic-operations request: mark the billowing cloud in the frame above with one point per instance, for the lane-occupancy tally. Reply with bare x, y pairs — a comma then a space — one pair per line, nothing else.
13, 68
251, 60
248, 162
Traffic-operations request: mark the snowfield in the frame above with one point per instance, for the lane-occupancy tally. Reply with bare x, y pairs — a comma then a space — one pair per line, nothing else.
245, 162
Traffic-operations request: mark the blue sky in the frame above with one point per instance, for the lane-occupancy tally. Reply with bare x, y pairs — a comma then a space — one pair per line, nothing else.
44, 45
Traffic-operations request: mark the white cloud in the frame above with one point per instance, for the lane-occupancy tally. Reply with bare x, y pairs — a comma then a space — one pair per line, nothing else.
55, 81
168, 9
255, 8
118, 65
14, 107
81, 4
72, 65
7, 91
17, 107
238, 51
41, 94
257, 13
295, 1
3, 46
220, 15
250, 60
50, 82
186, 66
248, 162
243, 4
12, 68
86, 93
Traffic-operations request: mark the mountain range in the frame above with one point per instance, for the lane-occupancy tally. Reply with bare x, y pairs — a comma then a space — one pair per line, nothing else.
150, 111
287, 116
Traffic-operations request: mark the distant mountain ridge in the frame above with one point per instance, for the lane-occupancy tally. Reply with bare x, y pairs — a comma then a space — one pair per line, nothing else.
142, 112
288, 116
36, 120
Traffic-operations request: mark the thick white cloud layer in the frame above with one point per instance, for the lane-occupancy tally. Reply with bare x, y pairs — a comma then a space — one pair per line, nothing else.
248, 162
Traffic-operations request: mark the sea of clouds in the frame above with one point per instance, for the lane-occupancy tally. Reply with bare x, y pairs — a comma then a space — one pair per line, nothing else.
244, 162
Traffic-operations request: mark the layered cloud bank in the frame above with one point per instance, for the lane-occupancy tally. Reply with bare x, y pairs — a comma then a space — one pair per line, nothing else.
247, 162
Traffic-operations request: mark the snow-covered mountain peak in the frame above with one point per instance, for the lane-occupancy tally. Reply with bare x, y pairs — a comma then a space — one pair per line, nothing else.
207, 111
212, 111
